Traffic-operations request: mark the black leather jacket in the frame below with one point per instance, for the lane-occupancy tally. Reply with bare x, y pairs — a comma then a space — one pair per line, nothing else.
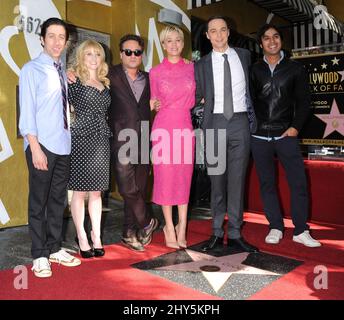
281, 99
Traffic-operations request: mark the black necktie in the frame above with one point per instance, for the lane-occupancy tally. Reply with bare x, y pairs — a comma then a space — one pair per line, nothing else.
64, 94
227, 92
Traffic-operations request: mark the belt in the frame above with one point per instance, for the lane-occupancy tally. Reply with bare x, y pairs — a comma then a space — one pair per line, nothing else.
267, 138
272, 126
235, 113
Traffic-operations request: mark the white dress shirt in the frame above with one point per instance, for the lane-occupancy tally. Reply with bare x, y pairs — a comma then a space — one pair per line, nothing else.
238, 81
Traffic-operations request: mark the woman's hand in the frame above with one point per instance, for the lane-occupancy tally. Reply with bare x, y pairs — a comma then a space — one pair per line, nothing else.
154, 104
71, 76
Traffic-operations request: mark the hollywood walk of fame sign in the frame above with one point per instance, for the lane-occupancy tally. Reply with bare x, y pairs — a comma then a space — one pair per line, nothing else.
228, 274
325, 126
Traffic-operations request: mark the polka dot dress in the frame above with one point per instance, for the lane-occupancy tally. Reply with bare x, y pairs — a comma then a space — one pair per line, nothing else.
90, 155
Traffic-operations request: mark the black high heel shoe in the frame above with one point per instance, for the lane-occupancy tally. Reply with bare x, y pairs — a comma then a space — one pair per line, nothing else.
85, 254
98, 252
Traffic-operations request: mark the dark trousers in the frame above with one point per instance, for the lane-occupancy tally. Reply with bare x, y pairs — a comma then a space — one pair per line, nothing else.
227, 188
288, 152
132, 182
47, 202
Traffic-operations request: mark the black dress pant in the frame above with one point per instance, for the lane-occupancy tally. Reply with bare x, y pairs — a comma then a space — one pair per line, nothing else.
228, 185
132, 180
288, 152
47, 202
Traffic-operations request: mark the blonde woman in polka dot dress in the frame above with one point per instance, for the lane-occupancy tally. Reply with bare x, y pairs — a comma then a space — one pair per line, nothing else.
90, 156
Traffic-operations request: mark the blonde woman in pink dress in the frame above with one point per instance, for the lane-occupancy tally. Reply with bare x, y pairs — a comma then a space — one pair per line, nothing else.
172, 96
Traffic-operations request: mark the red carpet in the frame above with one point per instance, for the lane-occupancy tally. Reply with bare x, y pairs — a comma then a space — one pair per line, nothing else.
299, 284
325, 188
112, 277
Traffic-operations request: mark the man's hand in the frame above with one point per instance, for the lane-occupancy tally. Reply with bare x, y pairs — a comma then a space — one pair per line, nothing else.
39, 159
71, 76
291, 132
154, 105
186, 61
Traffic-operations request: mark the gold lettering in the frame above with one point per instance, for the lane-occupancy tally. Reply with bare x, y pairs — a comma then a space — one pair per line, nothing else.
323, 78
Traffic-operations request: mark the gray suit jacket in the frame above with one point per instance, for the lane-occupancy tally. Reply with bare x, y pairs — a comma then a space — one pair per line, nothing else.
205, 87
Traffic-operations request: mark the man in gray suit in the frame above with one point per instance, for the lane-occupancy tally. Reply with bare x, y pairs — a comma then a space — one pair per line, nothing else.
222, 81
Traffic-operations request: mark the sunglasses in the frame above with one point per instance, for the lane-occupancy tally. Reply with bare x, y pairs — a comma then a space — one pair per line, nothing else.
129, 52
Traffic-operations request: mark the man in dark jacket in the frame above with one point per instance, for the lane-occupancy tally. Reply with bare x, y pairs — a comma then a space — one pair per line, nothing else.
222, 81
130, 113
281, 100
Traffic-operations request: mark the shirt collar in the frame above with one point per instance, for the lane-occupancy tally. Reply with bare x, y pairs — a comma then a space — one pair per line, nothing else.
45, 58
139, 73
219, 55
281, 58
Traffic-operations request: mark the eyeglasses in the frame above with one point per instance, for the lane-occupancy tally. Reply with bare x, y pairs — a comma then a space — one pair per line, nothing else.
129, 52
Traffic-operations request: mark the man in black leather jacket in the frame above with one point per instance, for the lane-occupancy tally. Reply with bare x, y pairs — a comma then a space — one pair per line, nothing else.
281, 100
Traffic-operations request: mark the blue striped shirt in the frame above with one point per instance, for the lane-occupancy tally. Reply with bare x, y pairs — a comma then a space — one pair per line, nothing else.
41, 108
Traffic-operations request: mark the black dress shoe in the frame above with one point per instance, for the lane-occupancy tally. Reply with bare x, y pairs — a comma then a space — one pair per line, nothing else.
213, 243
241, 244
99, 252
85, 254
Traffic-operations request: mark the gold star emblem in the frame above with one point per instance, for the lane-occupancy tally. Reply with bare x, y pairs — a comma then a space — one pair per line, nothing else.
335, 124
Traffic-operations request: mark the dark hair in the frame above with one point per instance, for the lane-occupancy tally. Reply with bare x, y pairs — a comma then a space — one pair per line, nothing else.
53, 21
133, 37
214, 18
266, 27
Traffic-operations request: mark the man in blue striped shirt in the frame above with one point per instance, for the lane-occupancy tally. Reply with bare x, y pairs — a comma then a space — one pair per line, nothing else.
47, 143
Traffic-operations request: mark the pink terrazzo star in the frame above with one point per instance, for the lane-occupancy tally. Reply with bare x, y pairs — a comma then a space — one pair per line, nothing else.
334, 120
342, 74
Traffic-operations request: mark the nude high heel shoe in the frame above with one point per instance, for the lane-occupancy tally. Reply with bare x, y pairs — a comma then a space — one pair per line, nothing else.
181, 243
170, 244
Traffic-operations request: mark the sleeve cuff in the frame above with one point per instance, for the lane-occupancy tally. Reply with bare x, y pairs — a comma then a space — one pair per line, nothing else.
25, 132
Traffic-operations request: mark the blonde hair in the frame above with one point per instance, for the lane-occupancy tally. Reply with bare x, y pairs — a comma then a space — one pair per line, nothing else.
167, 30
79, 64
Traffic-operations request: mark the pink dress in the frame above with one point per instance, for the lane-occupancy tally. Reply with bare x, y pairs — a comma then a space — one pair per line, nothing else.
172, 132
